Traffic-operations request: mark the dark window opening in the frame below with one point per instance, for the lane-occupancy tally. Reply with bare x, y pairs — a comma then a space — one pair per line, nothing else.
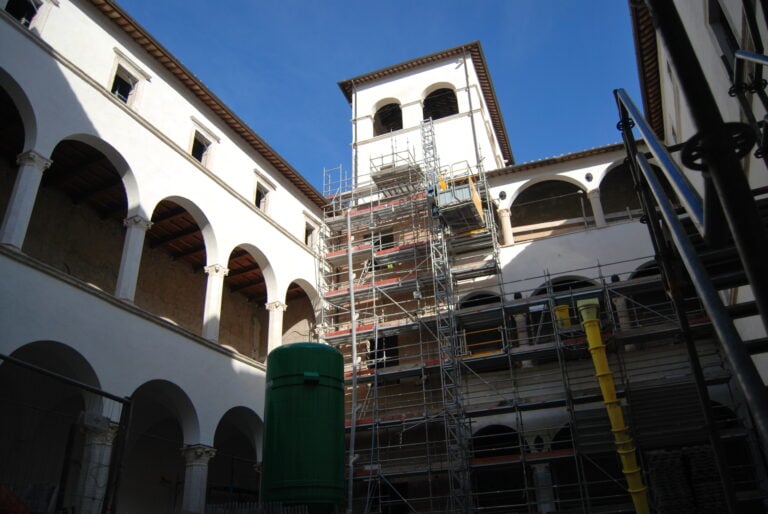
380, 242
440, 103
724, 35
309, 232
200, 147
385, 353
22, 10
387, 119
261, 197
123, 85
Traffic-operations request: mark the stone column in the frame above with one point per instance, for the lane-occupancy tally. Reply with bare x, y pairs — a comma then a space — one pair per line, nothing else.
22, 201
506, 227
196, 457
213, 292
275, 334
521, 326
136, 229
545, 493
620, 304
94, 474
625, 322
597, 207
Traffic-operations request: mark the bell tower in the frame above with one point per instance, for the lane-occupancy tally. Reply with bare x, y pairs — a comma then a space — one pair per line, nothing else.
453, 88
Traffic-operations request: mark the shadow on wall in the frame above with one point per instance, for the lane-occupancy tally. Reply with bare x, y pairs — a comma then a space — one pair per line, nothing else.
76, 226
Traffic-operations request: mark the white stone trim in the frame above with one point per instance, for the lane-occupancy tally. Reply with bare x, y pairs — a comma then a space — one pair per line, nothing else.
204, 130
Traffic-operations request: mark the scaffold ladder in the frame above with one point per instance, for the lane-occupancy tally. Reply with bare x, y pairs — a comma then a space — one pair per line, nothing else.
456, 428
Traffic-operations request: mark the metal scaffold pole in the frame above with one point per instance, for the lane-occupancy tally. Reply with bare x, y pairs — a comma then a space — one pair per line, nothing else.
453, 409
353, 409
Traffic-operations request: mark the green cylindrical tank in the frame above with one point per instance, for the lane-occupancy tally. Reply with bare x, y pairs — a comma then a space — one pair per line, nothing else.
303, 461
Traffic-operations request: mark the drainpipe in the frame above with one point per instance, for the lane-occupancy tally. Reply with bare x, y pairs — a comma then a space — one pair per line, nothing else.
624, 446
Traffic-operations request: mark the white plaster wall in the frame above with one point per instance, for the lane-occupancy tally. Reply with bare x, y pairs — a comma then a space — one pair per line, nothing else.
165, 105
160, 169
696, 21
574, 172
124, 349
66, 77
619, 249
453, 134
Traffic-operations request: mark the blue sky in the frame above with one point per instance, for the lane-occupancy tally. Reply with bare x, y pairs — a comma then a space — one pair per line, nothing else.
553, 63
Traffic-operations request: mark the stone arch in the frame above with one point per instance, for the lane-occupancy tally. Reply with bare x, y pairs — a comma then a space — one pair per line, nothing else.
84, 186
248, 286
121, 166
564, 283
387, 116
179, 245
12, 144
300, 316
210, 241
267, 269
501, 482
59, 358
549, 207
24, 107
646, 269
617, 192
627, 186
163, 421
544, 178
172, 398
439, 101
44, 420
496, 439
232, 473
480, 297
434, 87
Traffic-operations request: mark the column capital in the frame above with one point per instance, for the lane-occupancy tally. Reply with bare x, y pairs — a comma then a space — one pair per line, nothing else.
102, 432
595, 193
137, 221
216, 270
504, 212
277, 305
198, 454
33, 158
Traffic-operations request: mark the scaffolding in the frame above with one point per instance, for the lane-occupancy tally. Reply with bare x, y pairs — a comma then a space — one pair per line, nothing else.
471, 393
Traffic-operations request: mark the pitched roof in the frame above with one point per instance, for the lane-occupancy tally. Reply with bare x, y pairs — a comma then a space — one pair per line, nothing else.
486, 85
197, 88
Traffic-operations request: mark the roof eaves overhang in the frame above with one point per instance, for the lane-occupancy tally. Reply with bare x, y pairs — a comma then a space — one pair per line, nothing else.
194, 85
647, 55
558, 159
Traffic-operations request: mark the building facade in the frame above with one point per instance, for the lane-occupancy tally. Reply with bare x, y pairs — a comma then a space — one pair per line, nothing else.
153, 248
506, 327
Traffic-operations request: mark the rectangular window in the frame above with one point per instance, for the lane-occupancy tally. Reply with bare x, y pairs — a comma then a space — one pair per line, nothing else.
200, 147
124, 85
261, 197
385, 353
22, 10
724, 35
309, 234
